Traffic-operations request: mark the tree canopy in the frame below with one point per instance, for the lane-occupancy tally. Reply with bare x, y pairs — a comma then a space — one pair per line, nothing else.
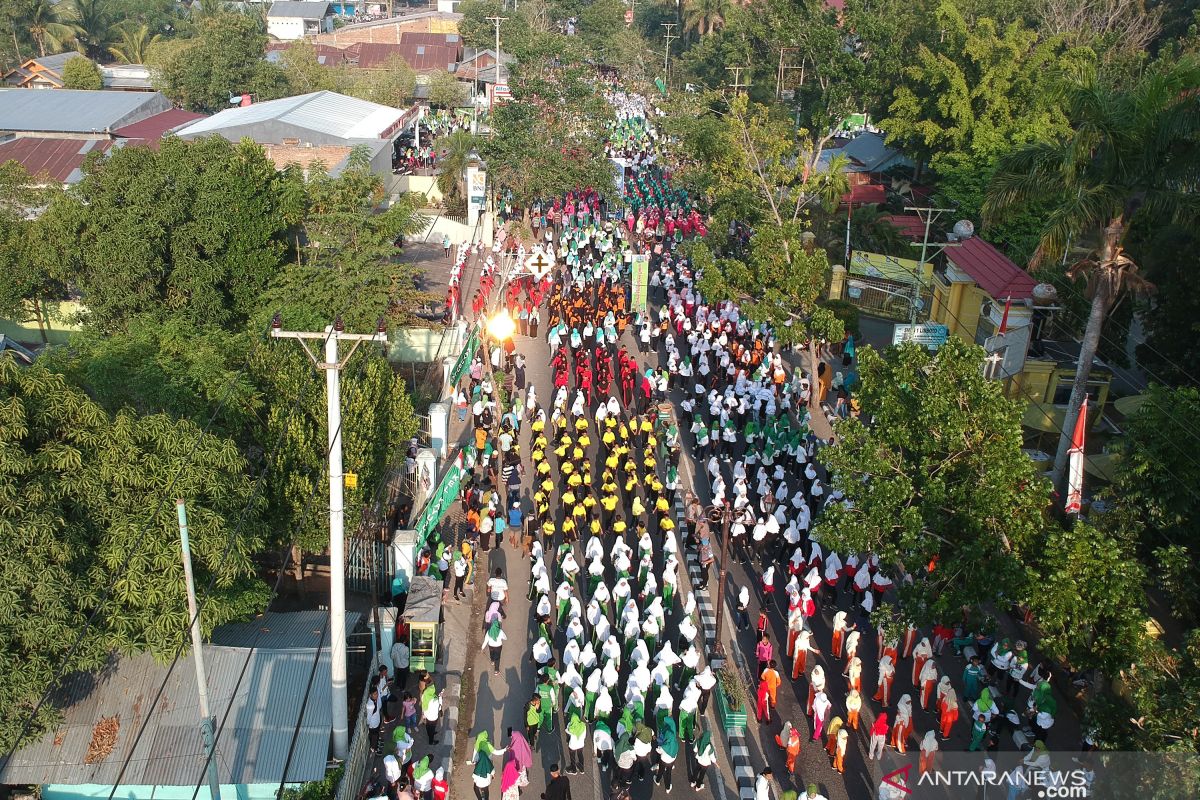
936, 484
74, 519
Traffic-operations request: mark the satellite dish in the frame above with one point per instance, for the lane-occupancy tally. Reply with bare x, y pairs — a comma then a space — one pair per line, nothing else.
964, 229
1044, 294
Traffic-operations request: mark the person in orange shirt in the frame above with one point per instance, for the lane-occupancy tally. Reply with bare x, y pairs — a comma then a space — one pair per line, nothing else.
929, 748
853, 707
771, 676
947, 704
789, 740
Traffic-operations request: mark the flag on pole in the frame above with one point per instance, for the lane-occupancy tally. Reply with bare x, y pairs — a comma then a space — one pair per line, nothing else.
1075, 470
1004, 320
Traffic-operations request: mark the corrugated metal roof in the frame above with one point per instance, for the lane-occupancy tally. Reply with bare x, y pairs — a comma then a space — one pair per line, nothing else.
252, 749
993, 271
300, 8
324, 112
291, 630
57, 159
76, 111
56, 61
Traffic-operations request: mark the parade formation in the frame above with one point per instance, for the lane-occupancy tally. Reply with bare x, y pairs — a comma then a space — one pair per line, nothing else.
582, 468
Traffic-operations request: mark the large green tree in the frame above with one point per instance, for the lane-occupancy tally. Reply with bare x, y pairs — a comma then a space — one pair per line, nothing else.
223, 59
766, 176
191, 229
82, 508
349, 262
936, 485
1131, 157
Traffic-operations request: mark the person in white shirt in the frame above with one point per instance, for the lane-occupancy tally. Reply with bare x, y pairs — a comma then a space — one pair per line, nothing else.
493, 641
762, 785
400, 660
498, 587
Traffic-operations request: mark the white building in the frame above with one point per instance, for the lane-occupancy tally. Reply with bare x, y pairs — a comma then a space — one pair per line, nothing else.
290, 20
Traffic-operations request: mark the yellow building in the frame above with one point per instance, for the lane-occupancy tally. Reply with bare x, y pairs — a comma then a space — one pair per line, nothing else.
976, 292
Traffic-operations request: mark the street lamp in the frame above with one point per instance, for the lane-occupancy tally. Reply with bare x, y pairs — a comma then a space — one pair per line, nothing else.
725, 514
501, 326
915, 304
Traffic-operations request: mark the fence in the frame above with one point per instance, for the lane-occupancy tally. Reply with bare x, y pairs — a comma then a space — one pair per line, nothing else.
359, 758
890, 299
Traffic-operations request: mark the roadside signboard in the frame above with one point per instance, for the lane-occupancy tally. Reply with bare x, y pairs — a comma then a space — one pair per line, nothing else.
929, 335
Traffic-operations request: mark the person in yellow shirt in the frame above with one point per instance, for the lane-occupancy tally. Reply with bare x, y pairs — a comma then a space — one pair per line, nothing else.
661, 505
638, 509
566, 468
581, 424
611, 460
568, 530
585, 441
619, 527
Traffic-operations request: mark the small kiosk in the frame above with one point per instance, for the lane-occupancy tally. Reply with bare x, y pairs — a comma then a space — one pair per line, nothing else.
422, 616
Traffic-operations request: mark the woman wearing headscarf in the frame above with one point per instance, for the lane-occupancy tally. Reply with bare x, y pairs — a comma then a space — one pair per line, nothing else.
831, 735
625, 757
493, 641
668, 751
423, 779
929, 748
703, 756
985, 706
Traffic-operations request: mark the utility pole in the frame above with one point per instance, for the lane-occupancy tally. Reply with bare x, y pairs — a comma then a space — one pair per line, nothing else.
929, 216
783, 68
668, 37
207, 723
332, 365
495, 21
737, 85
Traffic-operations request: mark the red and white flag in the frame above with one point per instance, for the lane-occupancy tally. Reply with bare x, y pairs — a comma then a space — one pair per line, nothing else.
1075, 474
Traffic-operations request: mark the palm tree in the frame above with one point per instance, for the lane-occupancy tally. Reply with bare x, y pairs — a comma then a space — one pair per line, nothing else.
39, 21
86, 26
454, 151
705, 16
1132, 157
134, 43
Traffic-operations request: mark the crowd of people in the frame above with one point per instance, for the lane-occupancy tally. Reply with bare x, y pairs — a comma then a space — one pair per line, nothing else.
590, 503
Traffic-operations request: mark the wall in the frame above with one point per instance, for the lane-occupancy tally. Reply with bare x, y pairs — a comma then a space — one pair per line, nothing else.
389, 32
422, 184
55, 318
287, 29
424, 345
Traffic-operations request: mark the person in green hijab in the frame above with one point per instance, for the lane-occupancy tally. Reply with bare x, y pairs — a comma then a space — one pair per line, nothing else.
625, 757
668, 751
423, 777
985, 706
576, 741
704, 756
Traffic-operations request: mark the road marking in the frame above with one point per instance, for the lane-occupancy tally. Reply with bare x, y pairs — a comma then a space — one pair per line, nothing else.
740, 750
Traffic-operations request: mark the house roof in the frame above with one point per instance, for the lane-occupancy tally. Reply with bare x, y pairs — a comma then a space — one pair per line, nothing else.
58, 160
327, 54
76, 111
994, 272
155, 127
126, 76
303, 9
865, 193
421, 57
328, 113
56, 62
259, 694
440, 39
910, 225
869, 150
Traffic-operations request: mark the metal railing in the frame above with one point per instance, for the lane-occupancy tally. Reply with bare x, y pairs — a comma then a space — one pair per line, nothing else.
890, 299
358, 761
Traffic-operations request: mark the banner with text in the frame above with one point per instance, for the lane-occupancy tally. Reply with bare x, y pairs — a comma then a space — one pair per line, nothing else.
641, 281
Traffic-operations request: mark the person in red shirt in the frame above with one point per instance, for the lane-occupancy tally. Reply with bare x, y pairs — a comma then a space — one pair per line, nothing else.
879, 732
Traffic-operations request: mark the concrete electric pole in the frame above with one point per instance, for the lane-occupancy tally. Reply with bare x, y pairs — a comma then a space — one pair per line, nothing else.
207, 723
332, 365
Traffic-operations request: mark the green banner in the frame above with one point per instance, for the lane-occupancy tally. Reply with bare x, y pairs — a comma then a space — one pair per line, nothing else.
464, 358
442, 499
640, 273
